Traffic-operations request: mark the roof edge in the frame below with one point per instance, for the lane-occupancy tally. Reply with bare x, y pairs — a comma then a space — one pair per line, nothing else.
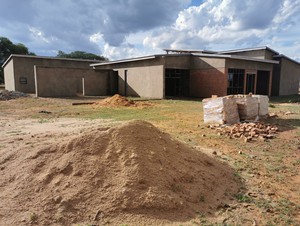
284, 56
46, 57
189, 51
124, 60
249, 49
238, 58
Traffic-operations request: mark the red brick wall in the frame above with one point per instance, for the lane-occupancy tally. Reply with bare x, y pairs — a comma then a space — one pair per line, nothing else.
207, 82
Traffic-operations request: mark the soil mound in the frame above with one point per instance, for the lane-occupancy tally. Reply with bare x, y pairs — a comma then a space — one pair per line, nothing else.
115, 101
129, 173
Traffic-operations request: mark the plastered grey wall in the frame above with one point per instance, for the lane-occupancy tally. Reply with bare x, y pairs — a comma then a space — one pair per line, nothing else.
260, 53
289, 77
9, 76
142, 81
63, 82
177, 62
248, 65
24, 67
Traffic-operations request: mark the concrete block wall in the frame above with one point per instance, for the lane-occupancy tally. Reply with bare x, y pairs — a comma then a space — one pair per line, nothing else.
23, 67
67, 82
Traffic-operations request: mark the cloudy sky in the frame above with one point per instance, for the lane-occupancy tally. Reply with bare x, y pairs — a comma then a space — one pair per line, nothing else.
128, 28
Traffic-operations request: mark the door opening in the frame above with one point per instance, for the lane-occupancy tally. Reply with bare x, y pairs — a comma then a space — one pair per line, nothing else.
250, 82
262, 85
177, 82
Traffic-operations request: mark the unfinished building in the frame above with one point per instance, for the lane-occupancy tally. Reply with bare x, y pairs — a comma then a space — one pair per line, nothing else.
178, 73
54, 77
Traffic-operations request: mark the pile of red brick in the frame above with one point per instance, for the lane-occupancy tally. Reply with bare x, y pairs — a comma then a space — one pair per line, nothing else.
247, 131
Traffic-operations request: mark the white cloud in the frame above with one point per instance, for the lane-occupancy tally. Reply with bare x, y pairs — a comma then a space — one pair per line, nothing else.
38, 35
129, 28
229, 24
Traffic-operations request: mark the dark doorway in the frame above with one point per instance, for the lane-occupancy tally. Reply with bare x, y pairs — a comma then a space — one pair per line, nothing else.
262, 85
113, 83
250, 81
235, 81
177, 82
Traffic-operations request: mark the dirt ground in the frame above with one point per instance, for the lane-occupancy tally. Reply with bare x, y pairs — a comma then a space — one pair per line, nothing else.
268, 172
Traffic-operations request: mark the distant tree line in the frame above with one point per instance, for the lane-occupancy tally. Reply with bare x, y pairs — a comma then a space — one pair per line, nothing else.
7, 48
81, 55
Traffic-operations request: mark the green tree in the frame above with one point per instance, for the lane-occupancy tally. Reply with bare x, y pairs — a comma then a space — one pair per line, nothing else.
6, 49
81, 55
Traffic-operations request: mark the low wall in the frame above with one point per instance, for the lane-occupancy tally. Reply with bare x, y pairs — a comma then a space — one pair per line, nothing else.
67, 82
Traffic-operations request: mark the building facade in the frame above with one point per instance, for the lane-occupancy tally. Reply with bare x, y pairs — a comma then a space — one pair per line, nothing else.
178, 73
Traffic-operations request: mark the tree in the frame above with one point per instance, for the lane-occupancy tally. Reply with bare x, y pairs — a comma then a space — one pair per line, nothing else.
6, 49
81, 55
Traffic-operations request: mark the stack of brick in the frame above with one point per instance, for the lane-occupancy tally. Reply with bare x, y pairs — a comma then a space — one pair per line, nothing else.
247, 107
248, 131
221, 110
263, 105
232, 109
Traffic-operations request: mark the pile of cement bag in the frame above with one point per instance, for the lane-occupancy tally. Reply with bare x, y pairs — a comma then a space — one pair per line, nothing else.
235, 108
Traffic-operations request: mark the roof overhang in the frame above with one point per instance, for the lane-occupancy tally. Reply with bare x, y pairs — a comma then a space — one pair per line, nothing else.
123, 61
179, 51
286, 57
236, 57
248, 49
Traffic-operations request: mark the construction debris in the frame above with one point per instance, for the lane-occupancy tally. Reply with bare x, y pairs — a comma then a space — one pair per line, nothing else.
9, 95
247, 131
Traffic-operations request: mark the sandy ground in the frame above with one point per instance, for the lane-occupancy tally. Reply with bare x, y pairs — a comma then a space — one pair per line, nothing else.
52, 172
274, 189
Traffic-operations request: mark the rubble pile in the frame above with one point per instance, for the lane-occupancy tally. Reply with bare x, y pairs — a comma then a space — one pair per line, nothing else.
247, 131
9, 95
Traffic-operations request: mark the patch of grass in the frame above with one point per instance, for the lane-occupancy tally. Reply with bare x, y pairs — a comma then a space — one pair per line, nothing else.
265, 204
296, 163
272, 106
286, 99
43, 120
276, 168
126, 113
244, 198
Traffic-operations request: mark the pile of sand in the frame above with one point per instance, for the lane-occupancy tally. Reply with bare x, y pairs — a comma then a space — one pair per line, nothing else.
116, 101
131, 173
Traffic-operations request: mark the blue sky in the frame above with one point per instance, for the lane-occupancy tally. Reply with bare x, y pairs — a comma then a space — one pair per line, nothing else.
130, 28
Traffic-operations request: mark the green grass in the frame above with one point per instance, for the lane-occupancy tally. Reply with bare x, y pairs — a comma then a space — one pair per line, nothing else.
124, 113
244, 198
286, 99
